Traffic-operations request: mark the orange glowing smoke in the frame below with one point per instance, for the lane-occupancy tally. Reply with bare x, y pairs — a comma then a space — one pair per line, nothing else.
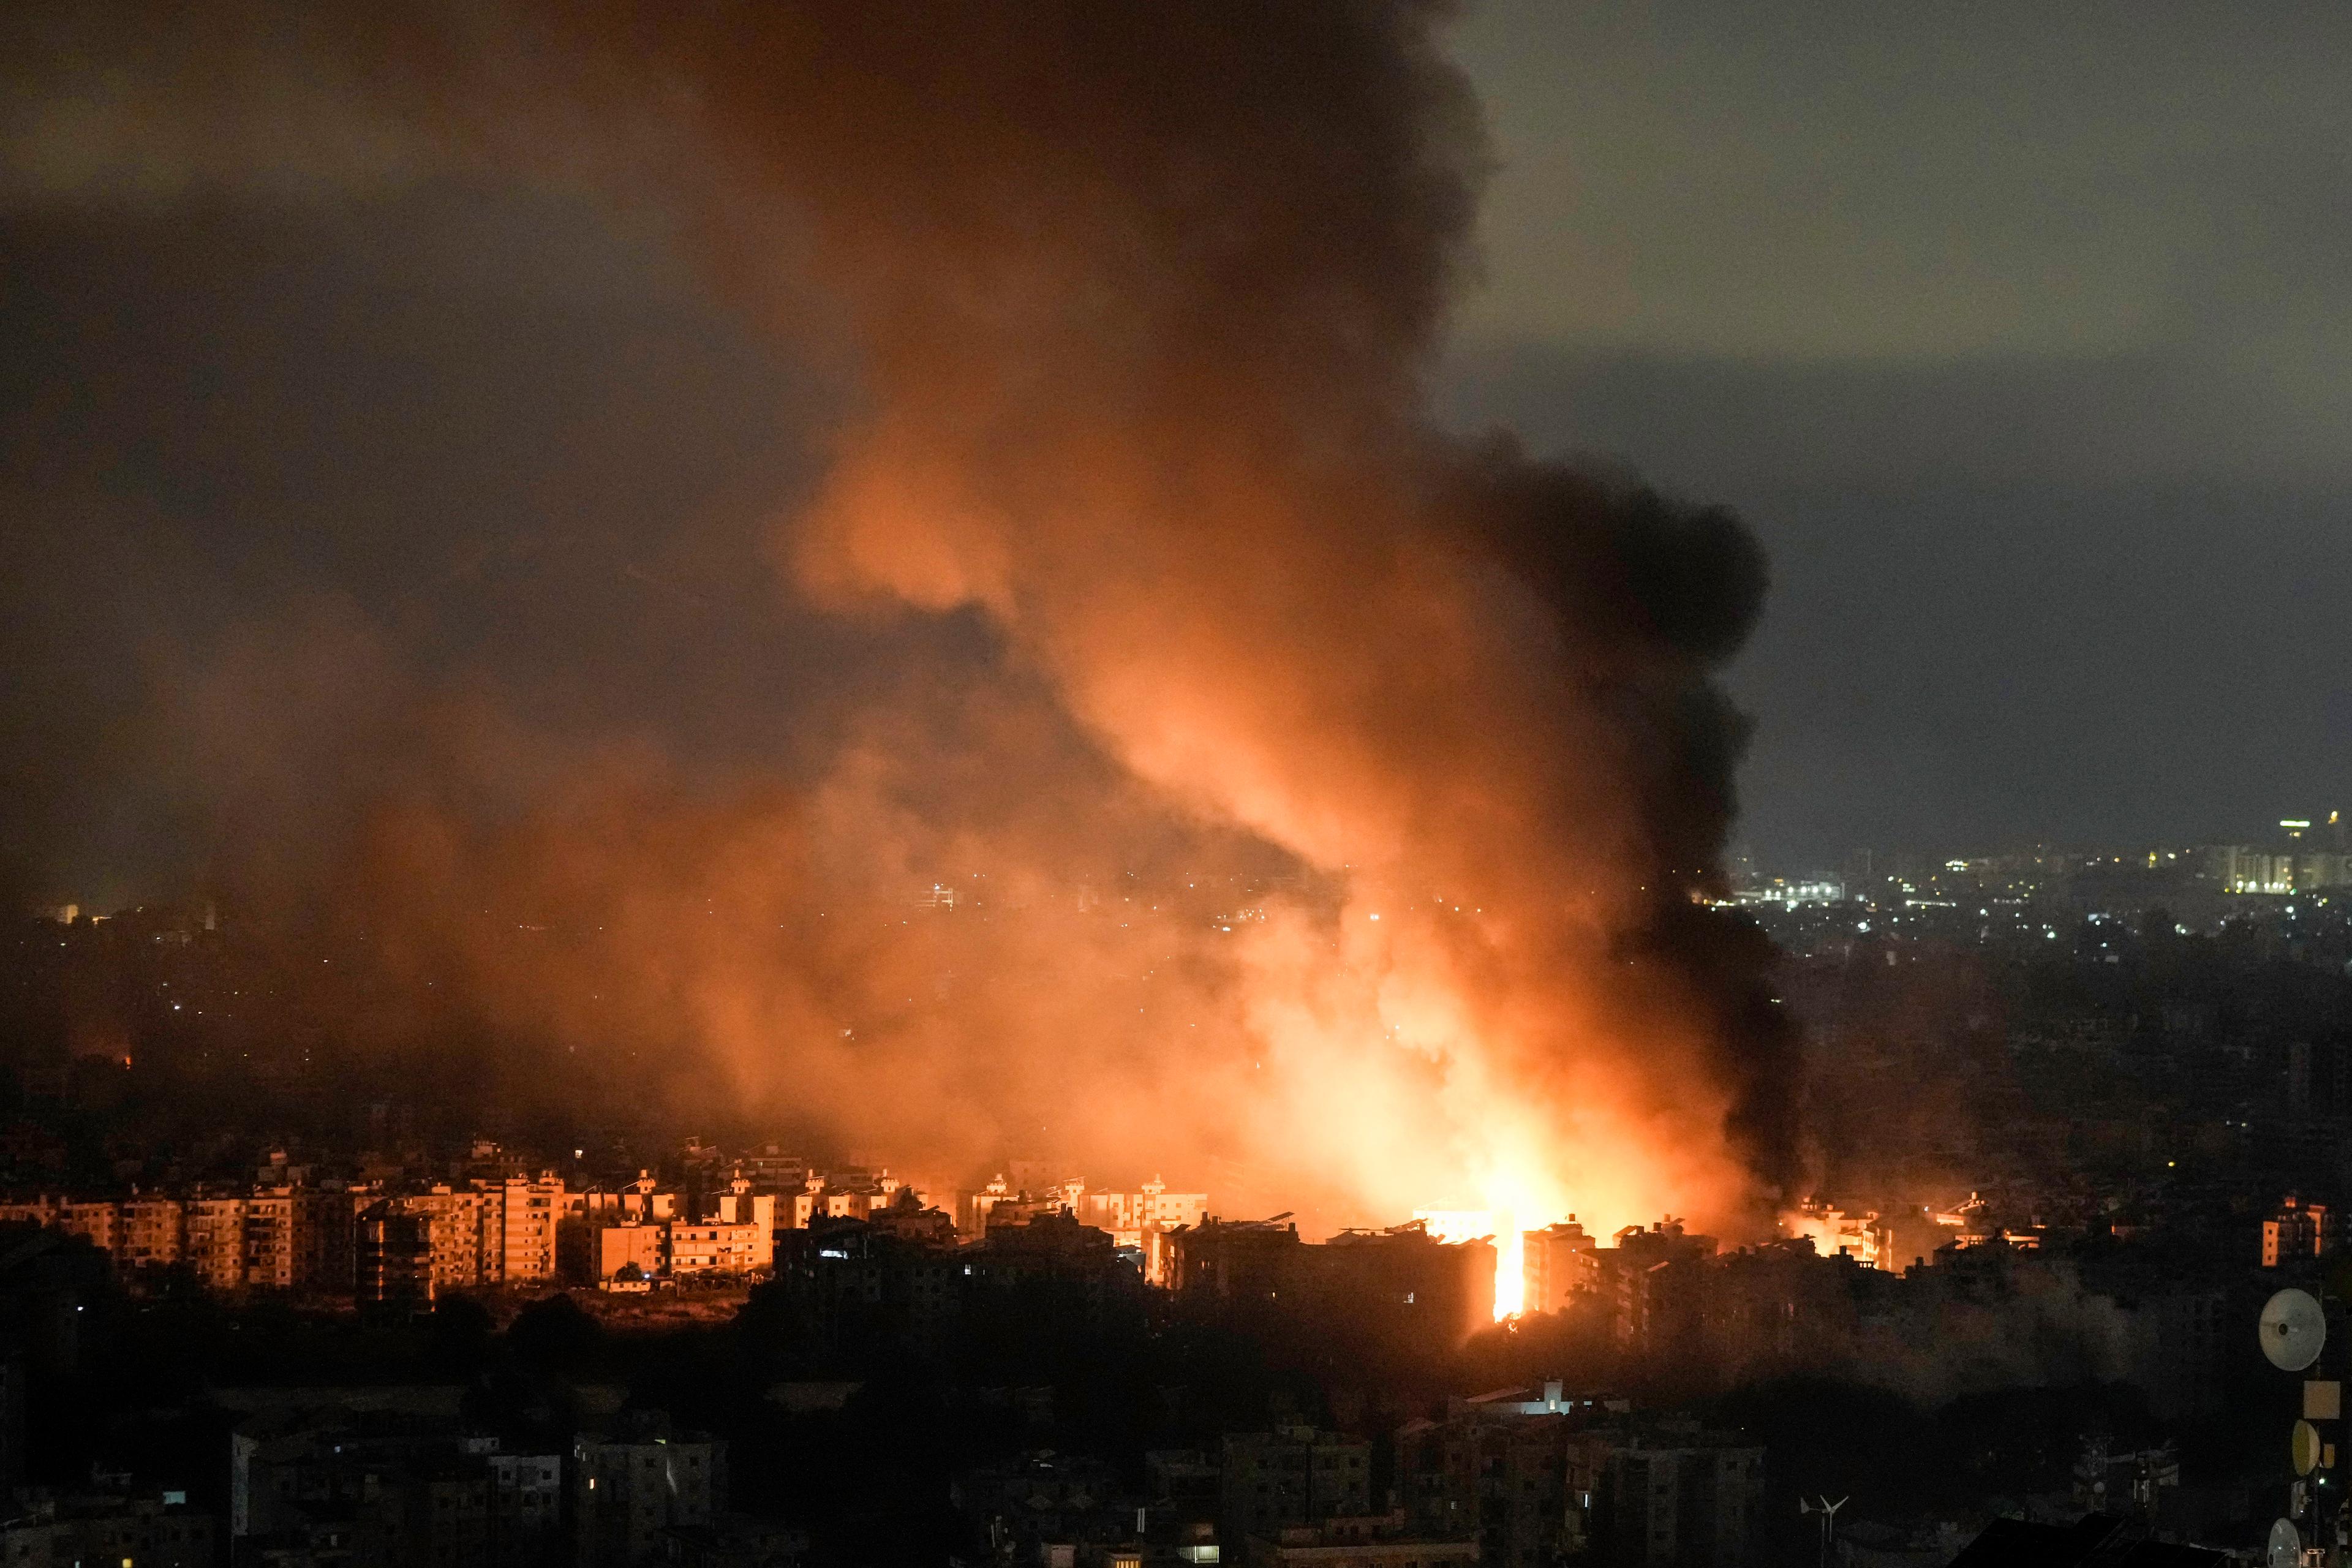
1466, 692
1136, 307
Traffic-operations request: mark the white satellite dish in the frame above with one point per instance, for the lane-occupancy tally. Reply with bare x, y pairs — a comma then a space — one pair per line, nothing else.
2294, 1328
2285, 1545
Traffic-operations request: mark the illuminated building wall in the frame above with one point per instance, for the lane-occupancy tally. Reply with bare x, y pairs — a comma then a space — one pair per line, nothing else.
1561, 1262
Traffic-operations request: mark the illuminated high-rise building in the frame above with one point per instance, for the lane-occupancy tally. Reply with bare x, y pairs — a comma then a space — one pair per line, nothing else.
1559, 1264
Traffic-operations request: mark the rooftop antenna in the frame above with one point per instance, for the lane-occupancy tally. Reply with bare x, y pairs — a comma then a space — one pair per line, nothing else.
2293, 1332
2293, 1329
1828, 1510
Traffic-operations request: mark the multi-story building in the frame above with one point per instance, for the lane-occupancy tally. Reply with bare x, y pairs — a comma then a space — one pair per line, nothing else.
1495, 1469
148, 1233
641, 1200
907, 1219
1128, 1216
753, 1214
289, 1236
1673, 1494
1557, 1266
853, 1200
273, 1255
445, 1516
2176, 1344
523, 1246
1865, 1237
2299, 1232
212, 1240
772, 1170
843, 1273
486, 1233
98, 1221
393, 1264
1643, 1279
333, 1235
1239, 1261
971, 1209
630, 1486
2286, 868
526, 1505
40, 1211
230, 1240
1402, 1284
490, 1232
456, 1217
595, 1251
1289, 1477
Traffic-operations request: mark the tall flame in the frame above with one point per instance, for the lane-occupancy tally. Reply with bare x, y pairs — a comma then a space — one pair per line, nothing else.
1501, 1225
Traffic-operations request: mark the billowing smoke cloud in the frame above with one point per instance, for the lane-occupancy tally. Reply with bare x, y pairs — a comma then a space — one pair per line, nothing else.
1333, 803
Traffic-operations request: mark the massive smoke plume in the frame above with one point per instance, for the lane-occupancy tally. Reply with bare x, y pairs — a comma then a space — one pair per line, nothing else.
1329, 798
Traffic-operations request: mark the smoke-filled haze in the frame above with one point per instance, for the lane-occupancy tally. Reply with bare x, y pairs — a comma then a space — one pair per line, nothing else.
619, 505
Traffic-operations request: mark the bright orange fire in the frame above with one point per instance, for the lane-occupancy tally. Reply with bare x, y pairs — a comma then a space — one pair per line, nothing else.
1443, 717
1453, 1226
1421, 1063
1515, 1204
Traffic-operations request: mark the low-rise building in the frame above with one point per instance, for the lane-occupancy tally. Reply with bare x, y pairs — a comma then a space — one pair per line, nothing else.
396, 1484
1040, 1505
1373, 1541
148, 1533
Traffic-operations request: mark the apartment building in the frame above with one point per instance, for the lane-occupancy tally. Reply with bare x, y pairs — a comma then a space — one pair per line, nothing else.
287, 1237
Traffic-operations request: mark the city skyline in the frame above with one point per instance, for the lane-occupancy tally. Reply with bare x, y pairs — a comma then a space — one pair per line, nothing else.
1364, 784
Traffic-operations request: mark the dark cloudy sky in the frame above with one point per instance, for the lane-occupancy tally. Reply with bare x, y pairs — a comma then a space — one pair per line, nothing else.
2018, 334
2018, 331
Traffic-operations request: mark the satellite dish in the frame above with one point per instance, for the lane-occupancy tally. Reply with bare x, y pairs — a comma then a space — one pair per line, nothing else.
2285, 1545
2294, 1328
2304, 1446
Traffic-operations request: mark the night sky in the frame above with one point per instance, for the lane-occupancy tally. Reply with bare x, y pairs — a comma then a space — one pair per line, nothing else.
2018, 333
2018, 338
